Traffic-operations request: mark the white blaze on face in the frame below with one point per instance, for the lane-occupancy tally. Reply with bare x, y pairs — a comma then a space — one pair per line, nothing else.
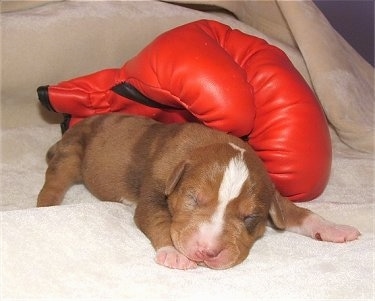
234, 178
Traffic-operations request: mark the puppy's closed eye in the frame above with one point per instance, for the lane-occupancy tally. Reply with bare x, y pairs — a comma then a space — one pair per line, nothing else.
251, 221
196, 199
192, 200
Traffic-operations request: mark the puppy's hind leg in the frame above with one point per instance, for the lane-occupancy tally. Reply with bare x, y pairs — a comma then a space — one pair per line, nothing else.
64, 170
288, 216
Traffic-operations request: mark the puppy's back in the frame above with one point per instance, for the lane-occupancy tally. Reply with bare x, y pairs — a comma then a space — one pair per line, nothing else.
124, 155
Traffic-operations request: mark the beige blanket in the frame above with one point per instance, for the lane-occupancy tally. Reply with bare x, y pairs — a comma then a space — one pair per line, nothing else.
91, 249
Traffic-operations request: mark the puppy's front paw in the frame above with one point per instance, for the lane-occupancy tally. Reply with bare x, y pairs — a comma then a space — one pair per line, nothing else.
168, 256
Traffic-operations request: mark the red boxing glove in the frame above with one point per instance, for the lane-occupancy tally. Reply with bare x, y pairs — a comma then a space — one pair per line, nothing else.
206, 72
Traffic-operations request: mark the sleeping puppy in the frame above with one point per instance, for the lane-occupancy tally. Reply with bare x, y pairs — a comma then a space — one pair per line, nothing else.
202, 197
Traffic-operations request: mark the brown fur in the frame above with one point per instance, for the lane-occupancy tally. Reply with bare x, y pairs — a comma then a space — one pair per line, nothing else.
173, 173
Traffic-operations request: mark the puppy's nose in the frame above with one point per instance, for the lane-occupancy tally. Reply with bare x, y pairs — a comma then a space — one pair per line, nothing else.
211, 253
207, 253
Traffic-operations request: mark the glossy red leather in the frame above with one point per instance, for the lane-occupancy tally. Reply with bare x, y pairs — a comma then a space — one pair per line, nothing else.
229, 81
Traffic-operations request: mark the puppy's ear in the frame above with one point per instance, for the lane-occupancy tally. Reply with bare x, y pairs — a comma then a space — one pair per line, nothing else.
175, 177
277, 213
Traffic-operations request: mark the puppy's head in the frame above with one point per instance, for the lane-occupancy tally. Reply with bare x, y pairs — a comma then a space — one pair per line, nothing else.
220, 198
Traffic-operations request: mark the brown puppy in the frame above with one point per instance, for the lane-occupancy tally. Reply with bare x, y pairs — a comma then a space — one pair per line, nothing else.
203, 197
